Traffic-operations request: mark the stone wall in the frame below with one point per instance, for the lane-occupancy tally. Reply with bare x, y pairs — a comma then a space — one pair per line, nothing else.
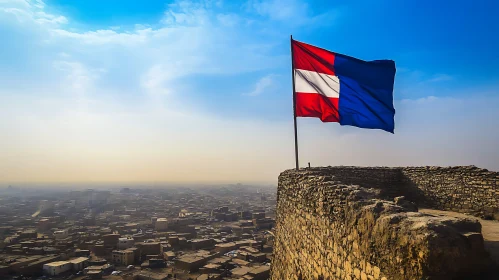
351, 223
465, 189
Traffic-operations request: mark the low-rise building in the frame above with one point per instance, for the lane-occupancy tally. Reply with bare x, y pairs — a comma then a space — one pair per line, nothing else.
161, 224
56, 268
105, 268
110, 240
192, 262
260, 273
123, 257
202, 243
59, 267
125, 243
79, 263
61, 234
150, 248
226, 247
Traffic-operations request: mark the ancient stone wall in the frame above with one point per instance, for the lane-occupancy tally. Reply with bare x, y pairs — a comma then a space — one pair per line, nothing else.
466, 189
350, 223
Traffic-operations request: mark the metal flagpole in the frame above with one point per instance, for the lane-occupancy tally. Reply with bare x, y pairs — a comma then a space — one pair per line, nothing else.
294, 102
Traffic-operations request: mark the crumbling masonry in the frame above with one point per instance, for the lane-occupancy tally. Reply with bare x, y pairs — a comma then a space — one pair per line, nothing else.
362, 223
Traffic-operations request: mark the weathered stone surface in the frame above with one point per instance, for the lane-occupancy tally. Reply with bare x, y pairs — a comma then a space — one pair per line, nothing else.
352, 223
465, 189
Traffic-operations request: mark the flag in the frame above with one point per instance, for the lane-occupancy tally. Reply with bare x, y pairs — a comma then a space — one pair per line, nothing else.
343, 89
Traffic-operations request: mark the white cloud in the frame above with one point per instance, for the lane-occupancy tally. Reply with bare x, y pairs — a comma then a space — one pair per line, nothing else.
106, 36
16, 3
31, 11
440, 78
42, 17
280, 9
39, 4
228, 19
291, 12
79, 77
154, 80
192, 39
419, 100
263, 85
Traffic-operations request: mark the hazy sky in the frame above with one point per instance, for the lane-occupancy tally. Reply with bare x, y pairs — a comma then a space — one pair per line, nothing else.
200, 91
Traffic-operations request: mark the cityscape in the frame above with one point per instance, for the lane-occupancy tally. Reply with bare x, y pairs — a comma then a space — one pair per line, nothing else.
213, 232
249, 140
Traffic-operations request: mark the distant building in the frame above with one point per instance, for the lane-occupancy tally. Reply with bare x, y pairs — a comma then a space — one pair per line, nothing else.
151, 248
56, 268
98, 269
260, 273
61, 234
153, 221
111, 240
161, 224
259, 215
192, 262
123, 257
59, 267
125, 243
44, 224
226, 247
202, 243
79, 263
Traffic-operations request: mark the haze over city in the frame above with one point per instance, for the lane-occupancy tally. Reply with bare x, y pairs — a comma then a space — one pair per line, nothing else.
200, 91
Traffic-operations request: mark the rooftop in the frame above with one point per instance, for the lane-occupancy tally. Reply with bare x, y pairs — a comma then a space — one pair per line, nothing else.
78, 260
58, 263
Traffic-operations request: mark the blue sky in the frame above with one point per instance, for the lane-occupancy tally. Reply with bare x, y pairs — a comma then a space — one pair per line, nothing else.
133, 91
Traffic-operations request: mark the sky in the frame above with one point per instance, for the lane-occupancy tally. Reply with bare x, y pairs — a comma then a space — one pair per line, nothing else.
200, 91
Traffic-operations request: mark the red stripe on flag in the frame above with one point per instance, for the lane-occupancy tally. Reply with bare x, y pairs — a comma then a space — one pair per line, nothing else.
308, 57
317, 106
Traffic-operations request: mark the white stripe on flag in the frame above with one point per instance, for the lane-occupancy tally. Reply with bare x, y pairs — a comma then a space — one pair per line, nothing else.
313, 82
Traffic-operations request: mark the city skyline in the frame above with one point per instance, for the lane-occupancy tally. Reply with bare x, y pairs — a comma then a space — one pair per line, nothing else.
200, 91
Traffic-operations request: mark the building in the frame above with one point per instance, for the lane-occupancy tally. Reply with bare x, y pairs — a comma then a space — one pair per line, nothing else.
202, 244
260, 273
44, 224
161, 224
30, 266
59, 267
136, 254
79, 264
151, 248
123, 257
56, 268
98, 269
110, 239
61, 234
147, 275
226, 247
125, 243
192, 262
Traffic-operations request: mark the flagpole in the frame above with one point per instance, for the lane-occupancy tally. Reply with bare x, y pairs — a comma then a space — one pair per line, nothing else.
294, 102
